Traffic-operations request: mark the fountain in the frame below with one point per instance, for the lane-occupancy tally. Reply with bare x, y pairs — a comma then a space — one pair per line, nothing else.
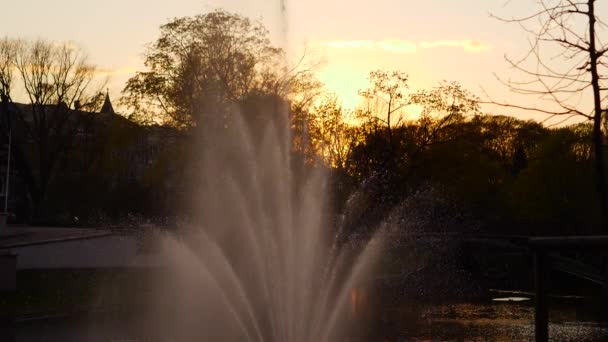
262, 262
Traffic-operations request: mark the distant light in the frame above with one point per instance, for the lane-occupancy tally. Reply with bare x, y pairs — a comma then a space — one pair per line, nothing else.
510, 299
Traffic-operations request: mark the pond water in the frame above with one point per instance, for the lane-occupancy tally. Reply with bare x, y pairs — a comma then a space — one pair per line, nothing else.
496, 321
489, 320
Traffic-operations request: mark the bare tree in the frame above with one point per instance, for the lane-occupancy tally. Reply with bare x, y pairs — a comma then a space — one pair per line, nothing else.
301, 88
386, 98
444, 107
333, 137
54, 78
8, 49
566, 64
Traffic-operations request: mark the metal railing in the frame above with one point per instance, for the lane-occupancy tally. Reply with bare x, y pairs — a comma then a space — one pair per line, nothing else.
541, 249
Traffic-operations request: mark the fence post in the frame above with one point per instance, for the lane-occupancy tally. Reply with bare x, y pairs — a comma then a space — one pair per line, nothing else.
541, 313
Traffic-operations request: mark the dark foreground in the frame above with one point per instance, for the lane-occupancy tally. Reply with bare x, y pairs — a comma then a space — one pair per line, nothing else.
109, 306
480, 321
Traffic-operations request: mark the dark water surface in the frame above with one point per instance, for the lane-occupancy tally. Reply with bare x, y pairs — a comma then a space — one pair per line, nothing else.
497, 321
464, 321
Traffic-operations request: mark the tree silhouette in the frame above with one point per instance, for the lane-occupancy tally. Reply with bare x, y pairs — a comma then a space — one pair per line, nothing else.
54, 78
386, 97
566, 64
443, 107
198, 62
333, 137
202, 66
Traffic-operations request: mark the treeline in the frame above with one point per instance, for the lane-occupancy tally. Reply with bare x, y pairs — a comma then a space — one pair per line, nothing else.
498, 173
69, 163
419, 153
492, 174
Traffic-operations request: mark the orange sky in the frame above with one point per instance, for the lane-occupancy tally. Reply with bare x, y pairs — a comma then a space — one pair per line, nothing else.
431, 40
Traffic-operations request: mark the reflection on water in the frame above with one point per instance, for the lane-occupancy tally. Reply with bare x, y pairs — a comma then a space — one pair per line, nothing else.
498, 321
484, 321
511, 299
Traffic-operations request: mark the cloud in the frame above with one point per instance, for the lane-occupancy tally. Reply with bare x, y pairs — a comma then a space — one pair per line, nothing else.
115, 72
392, 45
406, 46
350, 44
399, 46
467, 45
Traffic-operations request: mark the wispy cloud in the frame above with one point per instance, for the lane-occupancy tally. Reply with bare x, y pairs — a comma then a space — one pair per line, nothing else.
115, 72
396, 45
468, 45
393, 45
406, 46
350, 44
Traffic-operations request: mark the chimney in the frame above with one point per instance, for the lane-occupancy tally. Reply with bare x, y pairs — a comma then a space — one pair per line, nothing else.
77, 105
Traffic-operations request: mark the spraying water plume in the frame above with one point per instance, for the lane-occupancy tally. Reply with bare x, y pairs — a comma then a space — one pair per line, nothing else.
261, 262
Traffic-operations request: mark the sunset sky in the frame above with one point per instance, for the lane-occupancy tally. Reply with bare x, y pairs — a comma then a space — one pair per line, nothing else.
431, 40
